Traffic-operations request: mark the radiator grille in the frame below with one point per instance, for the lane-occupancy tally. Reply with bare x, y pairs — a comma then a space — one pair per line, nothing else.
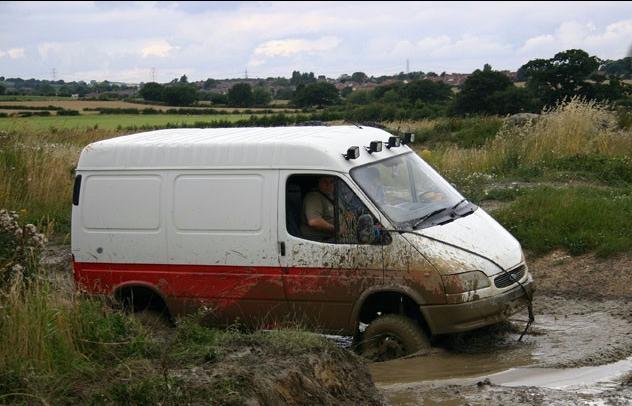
509, 278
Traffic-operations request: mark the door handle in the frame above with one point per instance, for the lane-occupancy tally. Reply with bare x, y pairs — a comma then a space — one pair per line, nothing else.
282, 248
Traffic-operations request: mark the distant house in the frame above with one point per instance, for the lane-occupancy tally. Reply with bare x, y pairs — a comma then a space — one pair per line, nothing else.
74, 96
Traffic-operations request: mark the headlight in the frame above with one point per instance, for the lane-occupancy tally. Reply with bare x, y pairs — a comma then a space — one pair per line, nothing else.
465, 282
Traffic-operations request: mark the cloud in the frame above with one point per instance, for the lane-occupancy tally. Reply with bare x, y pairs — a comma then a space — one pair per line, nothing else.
47, 49
161, 49
610, 42
13, 53
288, 47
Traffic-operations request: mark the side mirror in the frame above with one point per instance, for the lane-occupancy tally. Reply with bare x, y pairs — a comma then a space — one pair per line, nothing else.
365, 229
368, 233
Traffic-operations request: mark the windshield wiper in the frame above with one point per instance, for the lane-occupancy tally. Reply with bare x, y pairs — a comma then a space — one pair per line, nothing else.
458, 204
427, 216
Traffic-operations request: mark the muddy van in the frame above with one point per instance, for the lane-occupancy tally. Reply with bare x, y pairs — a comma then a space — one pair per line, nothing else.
234, 220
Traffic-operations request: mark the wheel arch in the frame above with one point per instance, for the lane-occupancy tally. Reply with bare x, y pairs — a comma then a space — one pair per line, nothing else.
374, 296
141, 295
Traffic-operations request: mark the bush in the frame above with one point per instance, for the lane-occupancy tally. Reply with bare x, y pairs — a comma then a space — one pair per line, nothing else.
20, 246
463, 132
68, 113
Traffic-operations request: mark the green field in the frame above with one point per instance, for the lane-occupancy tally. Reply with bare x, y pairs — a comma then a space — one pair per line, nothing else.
6, 97
111, 122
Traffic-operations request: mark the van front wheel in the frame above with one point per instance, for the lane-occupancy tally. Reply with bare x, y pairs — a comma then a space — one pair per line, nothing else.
392, 336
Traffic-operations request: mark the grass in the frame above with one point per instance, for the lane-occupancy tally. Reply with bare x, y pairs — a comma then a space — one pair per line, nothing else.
63, 348
109, 122
572, 129
462, 132
578, 219
36, 174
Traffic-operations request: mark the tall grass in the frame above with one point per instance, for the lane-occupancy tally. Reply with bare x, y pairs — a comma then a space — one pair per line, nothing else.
36, 173
572, 128
52, 341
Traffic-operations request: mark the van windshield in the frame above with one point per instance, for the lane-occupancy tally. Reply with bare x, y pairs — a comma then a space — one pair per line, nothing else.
406, 189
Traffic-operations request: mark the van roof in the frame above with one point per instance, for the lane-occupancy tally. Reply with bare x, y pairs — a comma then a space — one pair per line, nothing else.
262, 148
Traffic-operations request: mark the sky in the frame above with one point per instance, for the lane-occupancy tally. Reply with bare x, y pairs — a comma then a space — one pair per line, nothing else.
138, 41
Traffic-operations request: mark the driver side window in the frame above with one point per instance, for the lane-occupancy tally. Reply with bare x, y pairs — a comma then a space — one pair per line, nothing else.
327, 210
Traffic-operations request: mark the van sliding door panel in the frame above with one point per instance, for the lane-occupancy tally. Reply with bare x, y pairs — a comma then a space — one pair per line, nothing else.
222, 243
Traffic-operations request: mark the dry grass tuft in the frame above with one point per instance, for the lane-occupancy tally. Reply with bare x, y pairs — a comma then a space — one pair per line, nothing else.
575, 127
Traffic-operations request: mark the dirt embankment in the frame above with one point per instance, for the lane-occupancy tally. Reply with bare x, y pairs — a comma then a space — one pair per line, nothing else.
254, 375
262, 368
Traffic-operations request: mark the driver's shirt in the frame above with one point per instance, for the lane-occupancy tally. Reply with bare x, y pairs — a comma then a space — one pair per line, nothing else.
316, 205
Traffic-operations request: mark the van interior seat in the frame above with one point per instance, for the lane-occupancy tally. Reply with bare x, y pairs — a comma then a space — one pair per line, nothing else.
294, 209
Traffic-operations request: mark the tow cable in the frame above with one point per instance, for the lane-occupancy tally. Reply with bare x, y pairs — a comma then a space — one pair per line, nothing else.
531, 320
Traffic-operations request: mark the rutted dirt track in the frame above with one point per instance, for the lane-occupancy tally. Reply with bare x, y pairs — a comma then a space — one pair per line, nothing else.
578, 352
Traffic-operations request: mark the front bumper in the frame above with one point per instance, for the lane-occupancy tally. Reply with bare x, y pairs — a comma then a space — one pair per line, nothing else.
457, 318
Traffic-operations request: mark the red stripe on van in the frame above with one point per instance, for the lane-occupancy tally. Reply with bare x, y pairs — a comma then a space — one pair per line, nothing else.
191, 281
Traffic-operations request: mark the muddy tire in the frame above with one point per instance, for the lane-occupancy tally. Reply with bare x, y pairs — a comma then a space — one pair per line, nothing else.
393, 336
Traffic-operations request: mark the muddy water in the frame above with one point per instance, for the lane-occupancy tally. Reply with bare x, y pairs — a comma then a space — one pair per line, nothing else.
576, 350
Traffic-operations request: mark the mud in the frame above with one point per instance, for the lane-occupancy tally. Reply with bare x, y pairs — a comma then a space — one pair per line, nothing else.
578, 352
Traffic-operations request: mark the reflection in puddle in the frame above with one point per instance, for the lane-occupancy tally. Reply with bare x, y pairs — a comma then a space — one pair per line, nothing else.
598, 378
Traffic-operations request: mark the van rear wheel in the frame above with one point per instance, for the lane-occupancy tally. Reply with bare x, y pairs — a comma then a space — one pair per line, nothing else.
393, 336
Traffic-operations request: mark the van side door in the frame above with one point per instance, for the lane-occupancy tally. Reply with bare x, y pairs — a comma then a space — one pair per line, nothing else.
223, 245
323, 278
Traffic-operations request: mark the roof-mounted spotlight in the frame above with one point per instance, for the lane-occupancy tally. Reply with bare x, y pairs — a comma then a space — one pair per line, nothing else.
393, 142
352, 153
374, 146
408, 138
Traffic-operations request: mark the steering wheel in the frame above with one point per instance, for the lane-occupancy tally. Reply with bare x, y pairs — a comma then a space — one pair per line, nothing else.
430, 196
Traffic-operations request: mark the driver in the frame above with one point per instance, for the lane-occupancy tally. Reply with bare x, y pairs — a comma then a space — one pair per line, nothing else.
318, 211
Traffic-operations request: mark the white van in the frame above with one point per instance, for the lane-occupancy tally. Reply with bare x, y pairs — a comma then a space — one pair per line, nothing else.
328, 227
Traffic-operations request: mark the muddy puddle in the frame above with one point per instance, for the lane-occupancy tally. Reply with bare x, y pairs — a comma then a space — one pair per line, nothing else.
577, 352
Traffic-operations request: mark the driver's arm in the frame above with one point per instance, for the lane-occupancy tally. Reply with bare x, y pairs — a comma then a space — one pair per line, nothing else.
321, 224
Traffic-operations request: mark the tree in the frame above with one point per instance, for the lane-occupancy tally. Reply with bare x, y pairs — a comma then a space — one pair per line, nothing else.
240, 95
360, 97
513, 100
299, 78
2, 89
261, 96
316, 94
184, 79
151, 91
359, 77
209, 84
477, 89
217, 98
427, 91
621, 68
181, 94
284, 93
346, 91
562, 76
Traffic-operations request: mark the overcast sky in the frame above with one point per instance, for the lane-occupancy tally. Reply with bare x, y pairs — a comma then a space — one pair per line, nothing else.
124, 41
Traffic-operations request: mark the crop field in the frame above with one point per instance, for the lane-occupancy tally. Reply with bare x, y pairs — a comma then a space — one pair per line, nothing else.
111, 121
82, 105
